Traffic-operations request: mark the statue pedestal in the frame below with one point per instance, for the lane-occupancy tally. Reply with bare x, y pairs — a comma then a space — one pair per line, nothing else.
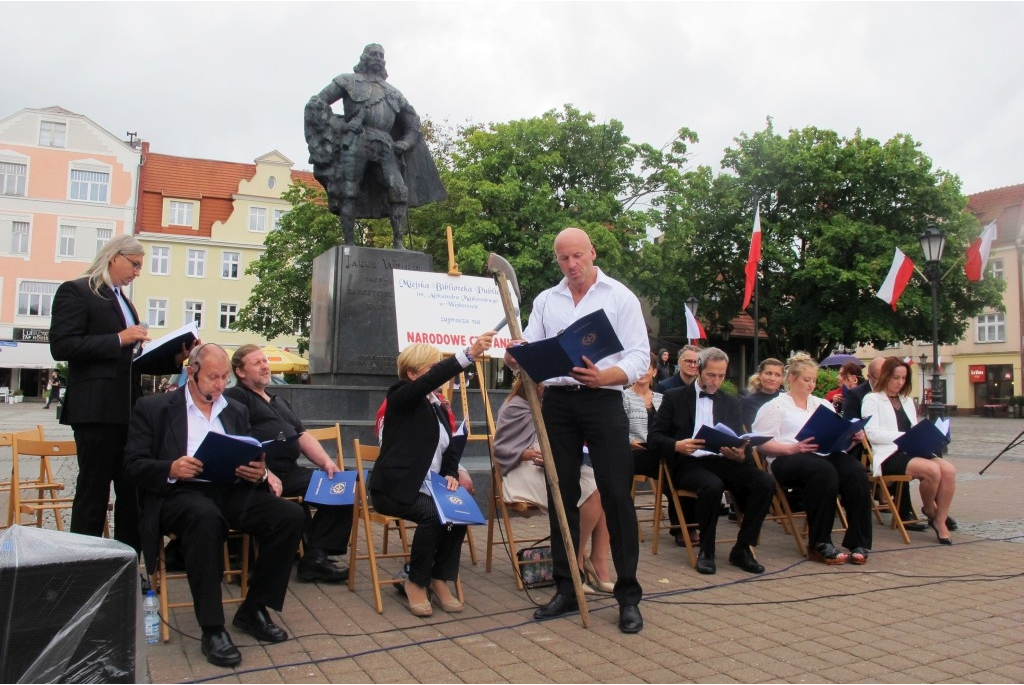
353, 337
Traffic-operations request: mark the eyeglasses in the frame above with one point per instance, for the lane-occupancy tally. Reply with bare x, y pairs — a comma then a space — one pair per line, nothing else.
135, 265
690, 361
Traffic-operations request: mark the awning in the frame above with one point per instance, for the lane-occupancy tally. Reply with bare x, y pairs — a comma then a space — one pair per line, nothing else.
282, 361
26, 355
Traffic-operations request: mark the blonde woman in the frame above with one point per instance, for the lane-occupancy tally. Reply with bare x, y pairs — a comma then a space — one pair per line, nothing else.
820, 477
416, 441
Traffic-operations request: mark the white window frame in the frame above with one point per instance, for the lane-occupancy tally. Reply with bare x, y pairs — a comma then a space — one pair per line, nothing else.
156, 314
257, 219
160, 260
278, 215
227, 263
195, 263
194, 308
53, 133
997, 269
103, 236
990, 328
19, 237
37, 294
179, 213
13, 183
228, 316
66, 235
82, 189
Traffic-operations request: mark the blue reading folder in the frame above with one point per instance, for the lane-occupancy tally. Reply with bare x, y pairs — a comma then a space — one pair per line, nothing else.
336, 491
591, 336
923, 440
456, 507
831, 433
221, 454
722, 436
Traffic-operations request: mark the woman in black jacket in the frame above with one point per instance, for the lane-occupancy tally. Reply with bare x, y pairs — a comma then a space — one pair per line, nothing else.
416, 441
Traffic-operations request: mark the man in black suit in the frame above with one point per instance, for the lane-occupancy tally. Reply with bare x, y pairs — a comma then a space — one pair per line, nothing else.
687, 370
95, 328
165, 432
682, 413
328, 529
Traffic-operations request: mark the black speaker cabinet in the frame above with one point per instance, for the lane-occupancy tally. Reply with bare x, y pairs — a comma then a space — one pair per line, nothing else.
69, 608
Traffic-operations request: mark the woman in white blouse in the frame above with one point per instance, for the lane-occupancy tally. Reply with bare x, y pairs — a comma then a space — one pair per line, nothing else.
820, 477
893, 414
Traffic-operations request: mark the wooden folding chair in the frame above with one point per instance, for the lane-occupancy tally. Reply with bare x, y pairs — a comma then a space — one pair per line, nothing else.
7, 440
499, 507
666, 484
162, 576
45, 485
650, 502
881, 498
331, 437
782, 513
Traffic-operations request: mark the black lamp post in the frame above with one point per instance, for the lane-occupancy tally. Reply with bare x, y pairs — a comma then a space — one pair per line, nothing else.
692, 303
924, 378
933, 241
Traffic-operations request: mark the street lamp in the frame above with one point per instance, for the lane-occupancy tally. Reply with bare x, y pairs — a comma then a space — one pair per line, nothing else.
692, 303
924, 378
933, 241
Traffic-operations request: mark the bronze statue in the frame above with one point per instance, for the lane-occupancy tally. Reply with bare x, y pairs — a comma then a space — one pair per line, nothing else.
372, 159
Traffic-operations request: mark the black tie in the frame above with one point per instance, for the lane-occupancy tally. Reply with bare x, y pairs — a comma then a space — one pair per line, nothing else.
709, 395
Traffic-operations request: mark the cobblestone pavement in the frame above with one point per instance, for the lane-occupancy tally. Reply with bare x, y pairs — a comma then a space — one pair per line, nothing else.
915, 613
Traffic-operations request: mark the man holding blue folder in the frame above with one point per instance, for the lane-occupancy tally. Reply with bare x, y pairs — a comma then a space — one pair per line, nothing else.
328, 529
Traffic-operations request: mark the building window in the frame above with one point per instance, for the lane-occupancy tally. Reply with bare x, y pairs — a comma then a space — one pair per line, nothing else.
19, 237
160, 260
91, 186
102, 236
51, 134
991, 328
194, 312
35, 298
997, 269
228, 315
180, 214
157, 317
196, 265
258, 219
278, 215
12, 178
66, 247
229, 264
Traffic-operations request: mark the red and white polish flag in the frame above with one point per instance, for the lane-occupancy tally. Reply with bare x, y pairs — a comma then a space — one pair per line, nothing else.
694, 331
896, 282
753, 257
977, 254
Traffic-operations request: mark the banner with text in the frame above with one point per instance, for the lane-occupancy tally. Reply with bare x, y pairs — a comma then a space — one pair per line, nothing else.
448, 312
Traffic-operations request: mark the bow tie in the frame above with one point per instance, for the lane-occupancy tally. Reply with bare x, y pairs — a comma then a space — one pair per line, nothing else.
709, 395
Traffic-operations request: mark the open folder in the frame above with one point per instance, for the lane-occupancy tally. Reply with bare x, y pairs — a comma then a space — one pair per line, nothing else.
221, 454
722, 436
591, 336
831, 433
456, 507
923, 440
157, 351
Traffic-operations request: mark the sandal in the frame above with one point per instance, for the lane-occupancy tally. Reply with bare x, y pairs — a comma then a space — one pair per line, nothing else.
826, 553
859, 556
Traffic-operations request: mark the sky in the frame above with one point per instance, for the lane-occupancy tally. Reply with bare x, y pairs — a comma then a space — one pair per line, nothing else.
229, 80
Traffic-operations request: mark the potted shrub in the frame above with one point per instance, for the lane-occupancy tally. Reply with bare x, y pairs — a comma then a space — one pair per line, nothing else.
18, 395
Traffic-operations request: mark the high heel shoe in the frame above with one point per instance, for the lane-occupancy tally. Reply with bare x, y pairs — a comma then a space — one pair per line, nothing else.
594, 580
421, 609
942, 540
450, 605
826, 553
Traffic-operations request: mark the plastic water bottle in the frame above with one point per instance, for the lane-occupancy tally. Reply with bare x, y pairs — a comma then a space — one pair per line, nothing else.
151, 618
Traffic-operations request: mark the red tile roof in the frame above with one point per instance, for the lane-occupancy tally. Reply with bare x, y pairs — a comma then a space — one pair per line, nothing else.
1005, 206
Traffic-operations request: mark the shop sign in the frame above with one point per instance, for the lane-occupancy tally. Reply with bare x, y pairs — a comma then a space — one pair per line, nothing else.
976, 373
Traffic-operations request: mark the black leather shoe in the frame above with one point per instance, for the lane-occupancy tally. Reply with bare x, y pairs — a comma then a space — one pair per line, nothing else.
316, 566
219, 650
258, 624
951, 523
742, 556
916, 527
706, 564
559, 604
630, 620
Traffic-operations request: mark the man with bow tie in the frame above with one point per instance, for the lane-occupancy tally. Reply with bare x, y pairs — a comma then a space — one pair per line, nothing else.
682, 413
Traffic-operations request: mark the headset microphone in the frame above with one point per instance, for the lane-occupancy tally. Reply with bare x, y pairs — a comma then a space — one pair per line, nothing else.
195, 379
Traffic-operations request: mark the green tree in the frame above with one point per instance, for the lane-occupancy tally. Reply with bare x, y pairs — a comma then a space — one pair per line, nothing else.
832, 211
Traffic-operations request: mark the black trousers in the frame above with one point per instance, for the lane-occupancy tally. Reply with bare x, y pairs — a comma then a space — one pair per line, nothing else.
328, 528
100, 463
820, 479
201, 514
595, 417
436, 547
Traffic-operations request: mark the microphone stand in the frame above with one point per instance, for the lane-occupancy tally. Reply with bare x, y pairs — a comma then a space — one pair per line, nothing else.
1013, 443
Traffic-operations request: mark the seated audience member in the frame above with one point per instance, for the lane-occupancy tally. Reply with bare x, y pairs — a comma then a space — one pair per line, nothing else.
328, 529
687, 370
849, 378
683, 411
522, 476
641, 403
762, 387
892, 414
166, 430
417, 441
820, 477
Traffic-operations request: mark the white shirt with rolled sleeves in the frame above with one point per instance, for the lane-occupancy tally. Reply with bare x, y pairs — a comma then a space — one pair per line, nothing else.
553, 310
